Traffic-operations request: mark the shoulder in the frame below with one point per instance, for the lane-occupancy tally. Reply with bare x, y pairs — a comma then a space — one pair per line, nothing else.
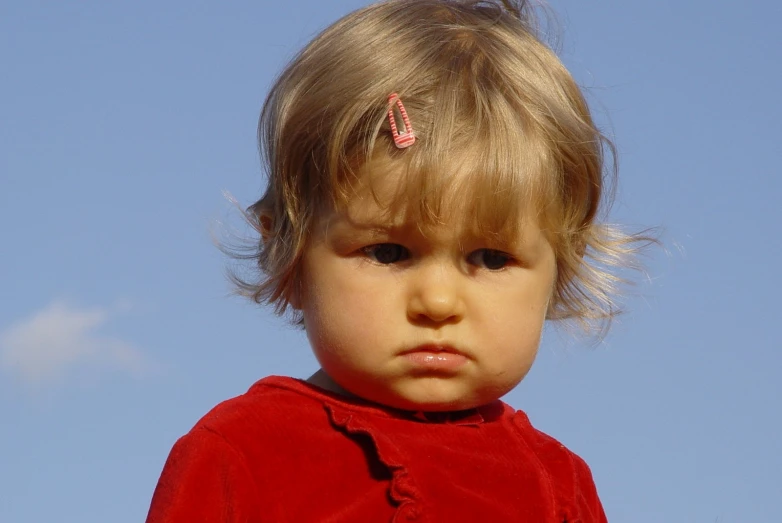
545, 447
266, 399
570, 474
271, 409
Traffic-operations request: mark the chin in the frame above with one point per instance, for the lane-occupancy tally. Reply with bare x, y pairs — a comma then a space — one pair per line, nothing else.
437, 400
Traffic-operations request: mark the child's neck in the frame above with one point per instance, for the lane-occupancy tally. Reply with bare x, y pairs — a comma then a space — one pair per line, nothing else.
322, 380
491, 411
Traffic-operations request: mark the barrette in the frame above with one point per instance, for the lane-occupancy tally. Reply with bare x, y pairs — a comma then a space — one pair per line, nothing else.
406, 138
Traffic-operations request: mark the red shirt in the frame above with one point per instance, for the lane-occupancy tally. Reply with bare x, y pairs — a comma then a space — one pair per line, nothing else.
289, 452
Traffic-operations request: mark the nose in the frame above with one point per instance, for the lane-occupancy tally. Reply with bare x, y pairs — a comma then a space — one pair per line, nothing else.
435, 295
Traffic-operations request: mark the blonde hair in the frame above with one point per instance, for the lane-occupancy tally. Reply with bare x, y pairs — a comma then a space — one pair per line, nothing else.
487, 99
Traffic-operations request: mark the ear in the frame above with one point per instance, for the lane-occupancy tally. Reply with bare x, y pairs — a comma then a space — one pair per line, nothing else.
294, 293
265, 224
580, 246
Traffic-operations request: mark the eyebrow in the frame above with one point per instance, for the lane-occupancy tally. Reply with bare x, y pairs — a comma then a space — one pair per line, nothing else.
371, 226
529, 243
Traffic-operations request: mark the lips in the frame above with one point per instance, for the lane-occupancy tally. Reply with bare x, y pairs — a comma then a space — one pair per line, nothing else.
435, 358
435, 348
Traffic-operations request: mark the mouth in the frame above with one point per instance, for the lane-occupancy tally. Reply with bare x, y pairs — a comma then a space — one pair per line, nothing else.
435, 358
435, 348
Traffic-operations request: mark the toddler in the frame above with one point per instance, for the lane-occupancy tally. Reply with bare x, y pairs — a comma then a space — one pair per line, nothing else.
435, 180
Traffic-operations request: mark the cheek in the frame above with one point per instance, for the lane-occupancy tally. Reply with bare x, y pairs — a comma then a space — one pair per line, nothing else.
343, 317
516, 329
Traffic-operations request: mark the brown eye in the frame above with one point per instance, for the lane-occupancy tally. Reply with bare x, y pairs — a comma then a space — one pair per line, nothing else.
489, 259
387, 253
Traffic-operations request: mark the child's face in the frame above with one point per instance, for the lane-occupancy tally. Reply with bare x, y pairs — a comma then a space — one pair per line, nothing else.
436, 321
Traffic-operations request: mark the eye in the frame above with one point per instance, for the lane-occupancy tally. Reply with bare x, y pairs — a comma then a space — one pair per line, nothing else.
386, 253
489, 259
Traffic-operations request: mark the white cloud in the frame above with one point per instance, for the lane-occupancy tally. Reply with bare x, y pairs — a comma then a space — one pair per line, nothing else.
59, 338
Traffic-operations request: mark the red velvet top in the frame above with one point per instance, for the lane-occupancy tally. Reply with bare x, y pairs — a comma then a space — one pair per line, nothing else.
289, 452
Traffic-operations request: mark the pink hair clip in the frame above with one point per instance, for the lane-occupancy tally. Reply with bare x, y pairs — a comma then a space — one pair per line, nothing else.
407, 137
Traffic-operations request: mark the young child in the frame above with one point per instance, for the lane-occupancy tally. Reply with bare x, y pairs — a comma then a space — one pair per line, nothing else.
435, 180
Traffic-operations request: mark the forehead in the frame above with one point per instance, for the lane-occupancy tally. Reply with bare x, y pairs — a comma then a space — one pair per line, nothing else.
387, 193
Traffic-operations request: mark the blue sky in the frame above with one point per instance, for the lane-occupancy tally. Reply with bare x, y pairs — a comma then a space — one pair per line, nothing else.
121, 123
